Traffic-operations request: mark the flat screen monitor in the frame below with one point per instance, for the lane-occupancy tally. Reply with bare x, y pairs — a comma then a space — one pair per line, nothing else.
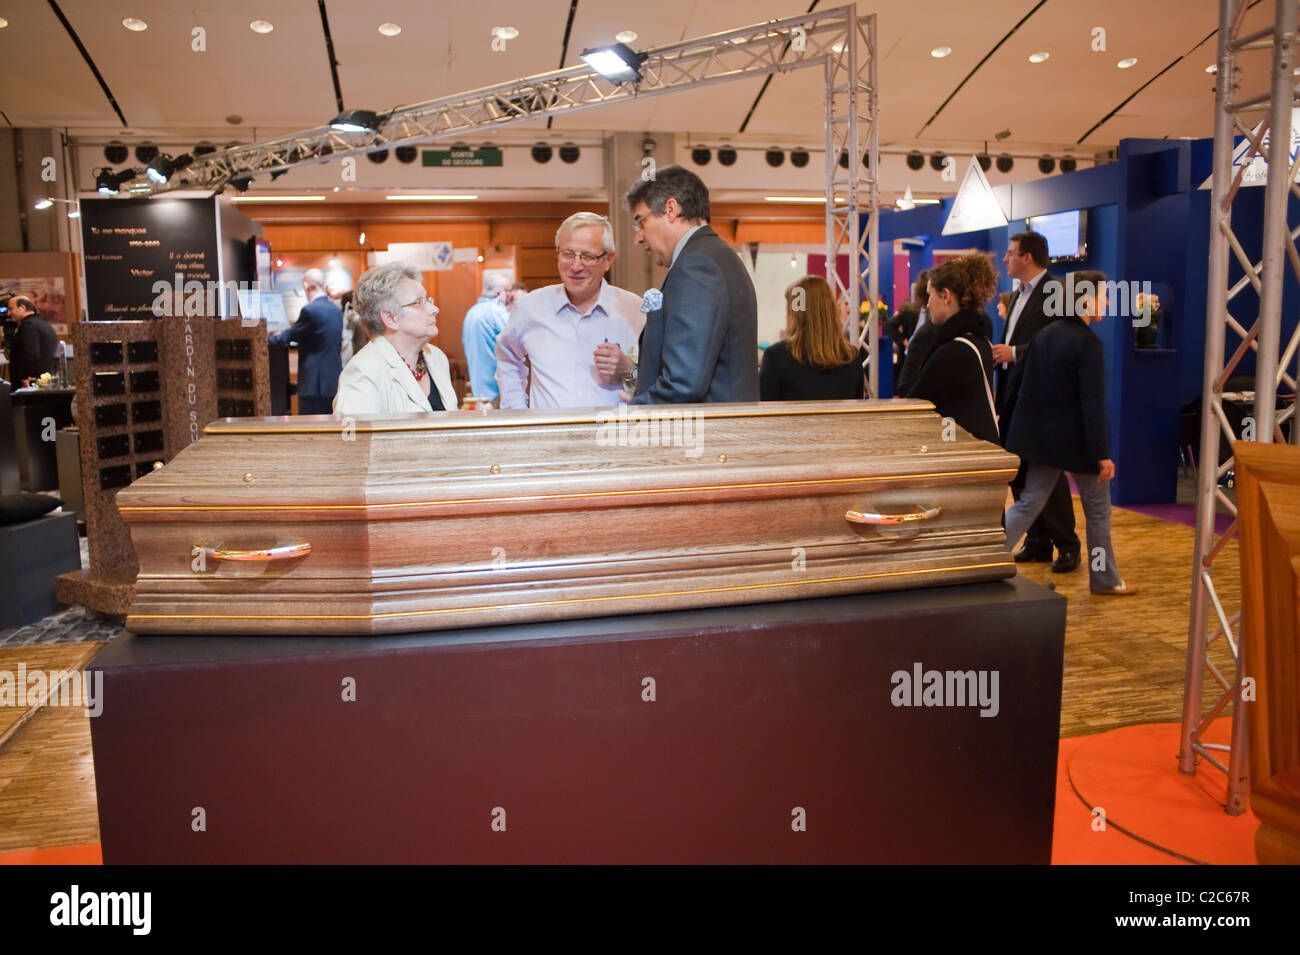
1066, 234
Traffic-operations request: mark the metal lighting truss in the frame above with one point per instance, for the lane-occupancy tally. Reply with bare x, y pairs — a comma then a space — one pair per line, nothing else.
1264, 337
838, 40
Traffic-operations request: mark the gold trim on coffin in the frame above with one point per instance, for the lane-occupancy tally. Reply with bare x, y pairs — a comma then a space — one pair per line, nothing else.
139, 508
552, 603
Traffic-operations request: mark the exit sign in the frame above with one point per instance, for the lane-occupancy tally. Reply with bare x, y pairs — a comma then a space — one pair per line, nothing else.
462, 157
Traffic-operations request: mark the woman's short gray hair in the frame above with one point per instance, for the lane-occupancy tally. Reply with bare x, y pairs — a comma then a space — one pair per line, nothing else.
580, 219
377, 291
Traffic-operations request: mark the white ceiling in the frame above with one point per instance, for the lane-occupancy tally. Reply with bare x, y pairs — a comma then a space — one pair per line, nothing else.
281, 81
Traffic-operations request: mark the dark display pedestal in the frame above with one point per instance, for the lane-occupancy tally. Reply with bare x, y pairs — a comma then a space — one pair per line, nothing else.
773, 736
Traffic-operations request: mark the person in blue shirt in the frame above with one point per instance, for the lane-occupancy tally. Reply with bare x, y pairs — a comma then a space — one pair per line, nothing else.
486, 319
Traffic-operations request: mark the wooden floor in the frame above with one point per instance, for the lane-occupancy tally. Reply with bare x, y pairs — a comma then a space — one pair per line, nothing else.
1124, 663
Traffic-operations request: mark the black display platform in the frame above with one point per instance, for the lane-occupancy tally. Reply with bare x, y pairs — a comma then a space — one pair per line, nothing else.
773, 736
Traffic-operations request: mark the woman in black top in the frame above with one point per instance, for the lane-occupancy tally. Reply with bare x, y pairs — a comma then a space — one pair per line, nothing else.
902, 326
958, 374
814, 360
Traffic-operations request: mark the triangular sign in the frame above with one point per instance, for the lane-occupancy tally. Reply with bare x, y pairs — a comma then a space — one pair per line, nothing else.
976, 207
1257, 173
907, 202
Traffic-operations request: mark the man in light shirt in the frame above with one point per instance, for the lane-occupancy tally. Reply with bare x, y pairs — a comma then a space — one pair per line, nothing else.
555, 351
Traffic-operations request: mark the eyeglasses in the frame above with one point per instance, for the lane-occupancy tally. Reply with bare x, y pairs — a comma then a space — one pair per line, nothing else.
568, 255
638, 222
426, 304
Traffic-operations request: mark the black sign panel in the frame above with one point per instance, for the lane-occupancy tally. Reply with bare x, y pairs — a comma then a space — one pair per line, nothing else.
134, 247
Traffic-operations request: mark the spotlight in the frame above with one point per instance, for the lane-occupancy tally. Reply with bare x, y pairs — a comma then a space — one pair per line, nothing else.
106, 182
915, 161
542, 153
356, 121
146, 153
1005, 162
774, 157
938, 161
242, 183
985, 161
164, 167
44, 203
569, 153
727, 156
405, 154
116, 153
377, 156
277, 174
1046, 164
618, 63
799, 158
1069, 164
701, 155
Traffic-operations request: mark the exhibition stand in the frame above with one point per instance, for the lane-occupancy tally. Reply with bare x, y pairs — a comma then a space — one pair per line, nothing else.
784, 732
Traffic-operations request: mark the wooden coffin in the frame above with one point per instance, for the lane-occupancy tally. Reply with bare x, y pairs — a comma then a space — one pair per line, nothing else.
382, 525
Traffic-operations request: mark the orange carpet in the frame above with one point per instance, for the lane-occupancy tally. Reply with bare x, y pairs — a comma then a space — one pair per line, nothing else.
1154, 814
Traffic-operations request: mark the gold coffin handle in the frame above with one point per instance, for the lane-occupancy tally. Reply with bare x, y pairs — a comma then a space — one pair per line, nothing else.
279, 552
875, 518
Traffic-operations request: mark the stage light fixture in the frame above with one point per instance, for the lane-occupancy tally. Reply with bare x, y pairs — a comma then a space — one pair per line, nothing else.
203, 149
1069, 164
938, 161
985, 161
569, 153
106, 182
356, 121
774, 157
164, 167
377, 156
44, 203
116, 153
406, 154
242, 183
1046, 164
799, 158
146, 153
915, 161
701, 155
618, 63
844, 159
1005, 162
542, 153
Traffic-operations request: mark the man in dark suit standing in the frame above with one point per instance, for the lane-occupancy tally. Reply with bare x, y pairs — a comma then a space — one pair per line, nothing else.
1026, 261
1060, 425
319, 334
700, 341
33, 350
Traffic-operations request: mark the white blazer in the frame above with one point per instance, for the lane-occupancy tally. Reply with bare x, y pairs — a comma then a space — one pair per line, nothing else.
377, 381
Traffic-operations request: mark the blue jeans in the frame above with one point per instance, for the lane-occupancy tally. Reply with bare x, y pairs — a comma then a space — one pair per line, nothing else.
1094, 495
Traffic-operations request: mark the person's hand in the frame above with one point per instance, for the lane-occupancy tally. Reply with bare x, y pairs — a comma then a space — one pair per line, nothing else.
611, 364
1107, 472
1004, 354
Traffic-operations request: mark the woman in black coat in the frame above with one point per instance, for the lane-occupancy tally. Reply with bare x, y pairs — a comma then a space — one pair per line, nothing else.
958, 373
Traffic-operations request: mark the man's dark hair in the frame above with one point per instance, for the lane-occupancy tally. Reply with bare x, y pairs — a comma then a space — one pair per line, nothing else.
672, 182
1034, 245
24, 301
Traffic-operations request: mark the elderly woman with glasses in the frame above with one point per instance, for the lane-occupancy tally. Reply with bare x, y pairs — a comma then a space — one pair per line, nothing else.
399, 371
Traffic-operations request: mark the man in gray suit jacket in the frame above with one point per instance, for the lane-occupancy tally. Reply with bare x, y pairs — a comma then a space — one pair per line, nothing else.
701, 342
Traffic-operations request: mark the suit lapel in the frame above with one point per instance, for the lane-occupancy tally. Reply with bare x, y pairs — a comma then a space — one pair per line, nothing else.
403, 376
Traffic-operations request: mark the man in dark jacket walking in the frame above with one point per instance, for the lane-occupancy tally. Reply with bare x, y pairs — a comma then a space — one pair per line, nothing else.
1059, 424
319, 335
34, 343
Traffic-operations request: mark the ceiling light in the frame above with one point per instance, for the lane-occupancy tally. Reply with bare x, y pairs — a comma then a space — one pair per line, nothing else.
261, 26
726, 155
74, 214
135, 24
618, 63
3, 23
1126, 63
164, 167
1046, 163
939, 52
1005, 163
542, 153
915, 160
418, 198
938, 161
837, 46
505, 33
1069, 164
817, 199
389, 29
627, 36
356, 121
44, 203
1212, 68
701, 155
569, 153
1040, 57
799, 158
774, 157
361, 239
277, 199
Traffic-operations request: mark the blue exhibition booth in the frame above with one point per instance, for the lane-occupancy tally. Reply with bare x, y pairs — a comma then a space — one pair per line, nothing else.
1147, 220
